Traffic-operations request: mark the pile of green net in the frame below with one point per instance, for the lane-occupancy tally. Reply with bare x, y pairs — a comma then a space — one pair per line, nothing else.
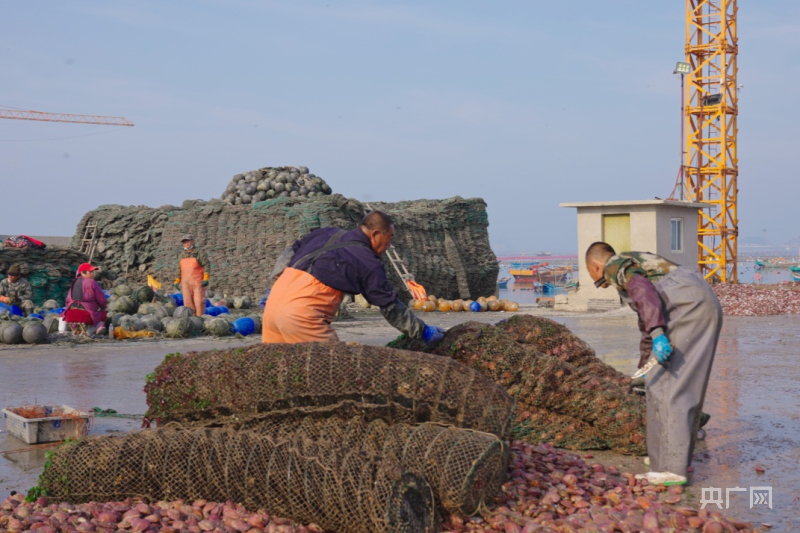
565, 394
49, 271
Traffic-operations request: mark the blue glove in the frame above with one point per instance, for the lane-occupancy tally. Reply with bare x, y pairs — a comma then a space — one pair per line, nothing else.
263, 301
662, 349
432, 334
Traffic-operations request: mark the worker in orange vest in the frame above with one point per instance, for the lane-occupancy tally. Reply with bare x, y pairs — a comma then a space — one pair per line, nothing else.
192, 276
313, 275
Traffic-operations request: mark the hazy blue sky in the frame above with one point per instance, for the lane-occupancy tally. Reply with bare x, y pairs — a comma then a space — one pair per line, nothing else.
526, 104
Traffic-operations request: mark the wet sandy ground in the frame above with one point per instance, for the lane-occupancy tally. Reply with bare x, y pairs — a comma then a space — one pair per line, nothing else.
753, 399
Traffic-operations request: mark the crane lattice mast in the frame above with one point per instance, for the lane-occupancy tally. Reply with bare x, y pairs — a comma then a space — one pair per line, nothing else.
712, 107
21, 114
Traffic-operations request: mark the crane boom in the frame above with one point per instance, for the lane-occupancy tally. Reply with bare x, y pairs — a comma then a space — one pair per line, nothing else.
64, 117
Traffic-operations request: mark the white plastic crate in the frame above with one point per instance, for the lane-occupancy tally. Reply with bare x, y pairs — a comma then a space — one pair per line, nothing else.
39, 430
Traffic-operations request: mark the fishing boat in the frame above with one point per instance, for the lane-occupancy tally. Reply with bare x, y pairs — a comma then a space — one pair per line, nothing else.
502, 283
795, 273
542, 273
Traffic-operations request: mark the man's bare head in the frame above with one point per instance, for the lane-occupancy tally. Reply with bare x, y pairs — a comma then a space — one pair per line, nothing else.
379, 227
597, 255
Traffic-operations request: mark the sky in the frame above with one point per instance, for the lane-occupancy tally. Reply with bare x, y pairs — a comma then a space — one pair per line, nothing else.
526, 104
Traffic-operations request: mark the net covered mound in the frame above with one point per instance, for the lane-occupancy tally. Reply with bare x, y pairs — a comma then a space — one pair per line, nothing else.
285, 381
564, 395
445, 243
307, 476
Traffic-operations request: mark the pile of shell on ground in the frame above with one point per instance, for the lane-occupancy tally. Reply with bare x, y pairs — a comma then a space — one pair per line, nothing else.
759, 300
547, 490
135, 309
274, 182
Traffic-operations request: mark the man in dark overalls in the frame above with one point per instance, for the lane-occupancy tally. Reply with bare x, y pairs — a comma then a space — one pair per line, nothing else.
316, 272
680, 319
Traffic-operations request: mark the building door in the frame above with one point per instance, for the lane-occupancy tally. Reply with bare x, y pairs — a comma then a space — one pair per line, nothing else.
617, 232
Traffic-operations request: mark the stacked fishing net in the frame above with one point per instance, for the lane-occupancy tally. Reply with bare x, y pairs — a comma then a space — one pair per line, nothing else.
564, 394
350, 437
307, 476
49, 271
287, 381
274, 182
444, 242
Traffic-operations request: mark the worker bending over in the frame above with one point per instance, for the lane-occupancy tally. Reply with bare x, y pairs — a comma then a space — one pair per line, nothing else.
680, 319
16, 290
192, 277
317, 271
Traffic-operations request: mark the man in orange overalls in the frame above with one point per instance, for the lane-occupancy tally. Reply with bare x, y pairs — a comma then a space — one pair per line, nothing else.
192, 276
314, 274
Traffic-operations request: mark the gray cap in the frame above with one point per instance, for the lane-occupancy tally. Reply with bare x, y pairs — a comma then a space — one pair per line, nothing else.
187, 237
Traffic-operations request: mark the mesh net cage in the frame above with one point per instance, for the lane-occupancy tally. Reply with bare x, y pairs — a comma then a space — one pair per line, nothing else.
345, 475
566, 396
299, 477
326, 379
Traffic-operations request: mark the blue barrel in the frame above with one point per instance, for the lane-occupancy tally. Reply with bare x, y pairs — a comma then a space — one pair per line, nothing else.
208, 303
475, 307
177, 298
13, 309
36, 315
243, 326
211, 310
223, 310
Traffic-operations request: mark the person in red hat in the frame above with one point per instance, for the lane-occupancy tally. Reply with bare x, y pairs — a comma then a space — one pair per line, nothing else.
85, 293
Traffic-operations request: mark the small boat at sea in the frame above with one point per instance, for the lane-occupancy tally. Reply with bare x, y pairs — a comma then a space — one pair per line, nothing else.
795, 273
542, 273
502, 283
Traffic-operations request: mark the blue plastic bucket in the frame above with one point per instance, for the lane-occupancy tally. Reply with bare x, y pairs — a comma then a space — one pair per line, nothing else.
223, 310
177, 298
243, 326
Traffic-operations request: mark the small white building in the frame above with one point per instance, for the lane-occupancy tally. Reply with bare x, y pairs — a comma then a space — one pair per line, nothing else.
664, 227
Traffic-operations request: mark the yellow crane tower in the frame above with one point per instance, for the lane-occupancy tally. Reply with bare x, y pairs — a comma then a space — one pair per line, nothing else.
711, 168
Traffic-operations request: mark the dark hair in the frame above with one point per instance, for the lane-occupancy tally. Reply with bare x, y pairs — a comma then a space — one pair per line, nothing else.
599, 251
377, 220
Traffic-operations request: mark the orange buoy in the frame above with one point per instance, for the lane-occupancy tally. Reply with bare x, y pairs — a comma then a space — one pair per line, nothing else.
418, 304
493, 297
457, 305
511, 307
444, 306
494, 305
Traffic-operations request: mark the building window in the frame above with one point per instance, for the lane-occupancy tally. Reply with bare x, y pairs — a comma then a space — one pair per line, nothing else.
677, 235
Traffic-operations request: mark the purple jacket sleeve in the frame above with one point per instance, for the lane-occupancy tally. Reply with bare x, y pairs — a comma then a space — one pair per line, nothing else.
647, 303
650, 309
99, 297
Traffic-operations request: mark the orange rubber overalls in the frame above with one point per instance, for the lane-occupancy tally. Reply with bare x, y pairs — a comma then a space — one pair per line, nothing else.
300, 308
194, 294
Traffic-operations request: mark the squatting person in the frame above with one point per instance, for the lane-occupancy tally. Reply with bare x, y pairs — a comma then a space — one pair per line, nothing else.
192, 275
316, 272
680, 319
16, 290
85, 293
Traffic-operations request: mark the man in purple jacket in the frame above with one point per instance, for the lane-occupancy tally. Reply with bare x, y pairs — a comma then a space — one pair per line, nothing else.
680, 319
315, 273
